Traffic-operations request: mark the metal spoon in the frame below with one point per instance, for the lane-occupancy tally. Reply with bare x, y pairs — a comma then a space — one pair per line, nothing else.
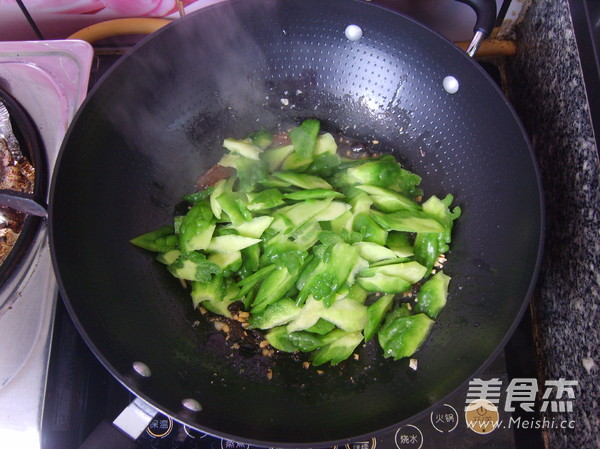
21, 202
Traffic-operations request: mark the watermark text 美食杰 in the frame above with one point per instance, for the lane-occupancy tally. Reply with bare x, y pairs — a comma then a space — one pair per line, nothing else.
483, 403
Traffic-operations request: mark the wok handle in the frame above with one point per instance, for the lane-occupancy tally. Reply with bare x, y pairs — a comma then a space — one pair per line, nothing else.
124, 430
486, 18
486, 15
105, 435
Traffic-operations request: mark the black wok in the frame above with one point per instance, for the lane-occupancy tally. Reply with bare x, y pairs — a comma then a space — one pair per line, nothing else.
157, 121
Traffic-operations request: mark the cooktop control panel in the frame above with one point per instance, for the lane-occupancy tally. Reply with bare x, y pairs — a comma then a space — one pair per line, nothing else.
444, 427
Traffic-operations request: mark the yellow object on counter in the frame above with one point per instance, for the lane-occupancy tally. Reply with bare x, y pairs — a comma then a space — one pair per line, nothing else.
119, 27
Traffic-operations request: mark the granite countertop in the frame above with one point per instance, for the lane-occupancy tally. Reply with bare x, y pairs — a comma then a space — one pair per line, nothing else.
547, 90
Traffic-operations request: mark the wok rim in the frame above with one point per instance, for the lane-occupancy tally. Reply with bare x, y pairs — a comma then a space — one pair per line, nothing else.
187, 420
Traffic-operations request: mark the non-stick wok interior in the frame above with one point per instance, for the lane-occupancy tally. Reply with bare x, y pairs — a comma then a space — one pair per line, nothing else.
156, 122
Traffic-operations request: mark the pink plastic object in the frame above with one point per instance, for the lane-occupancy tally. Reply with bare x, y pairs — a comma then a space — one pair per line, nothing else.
49, 79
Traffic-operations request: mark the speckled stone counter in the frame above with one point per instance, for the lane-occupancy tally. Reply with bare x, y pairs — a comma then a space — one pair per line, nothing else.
547, 90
